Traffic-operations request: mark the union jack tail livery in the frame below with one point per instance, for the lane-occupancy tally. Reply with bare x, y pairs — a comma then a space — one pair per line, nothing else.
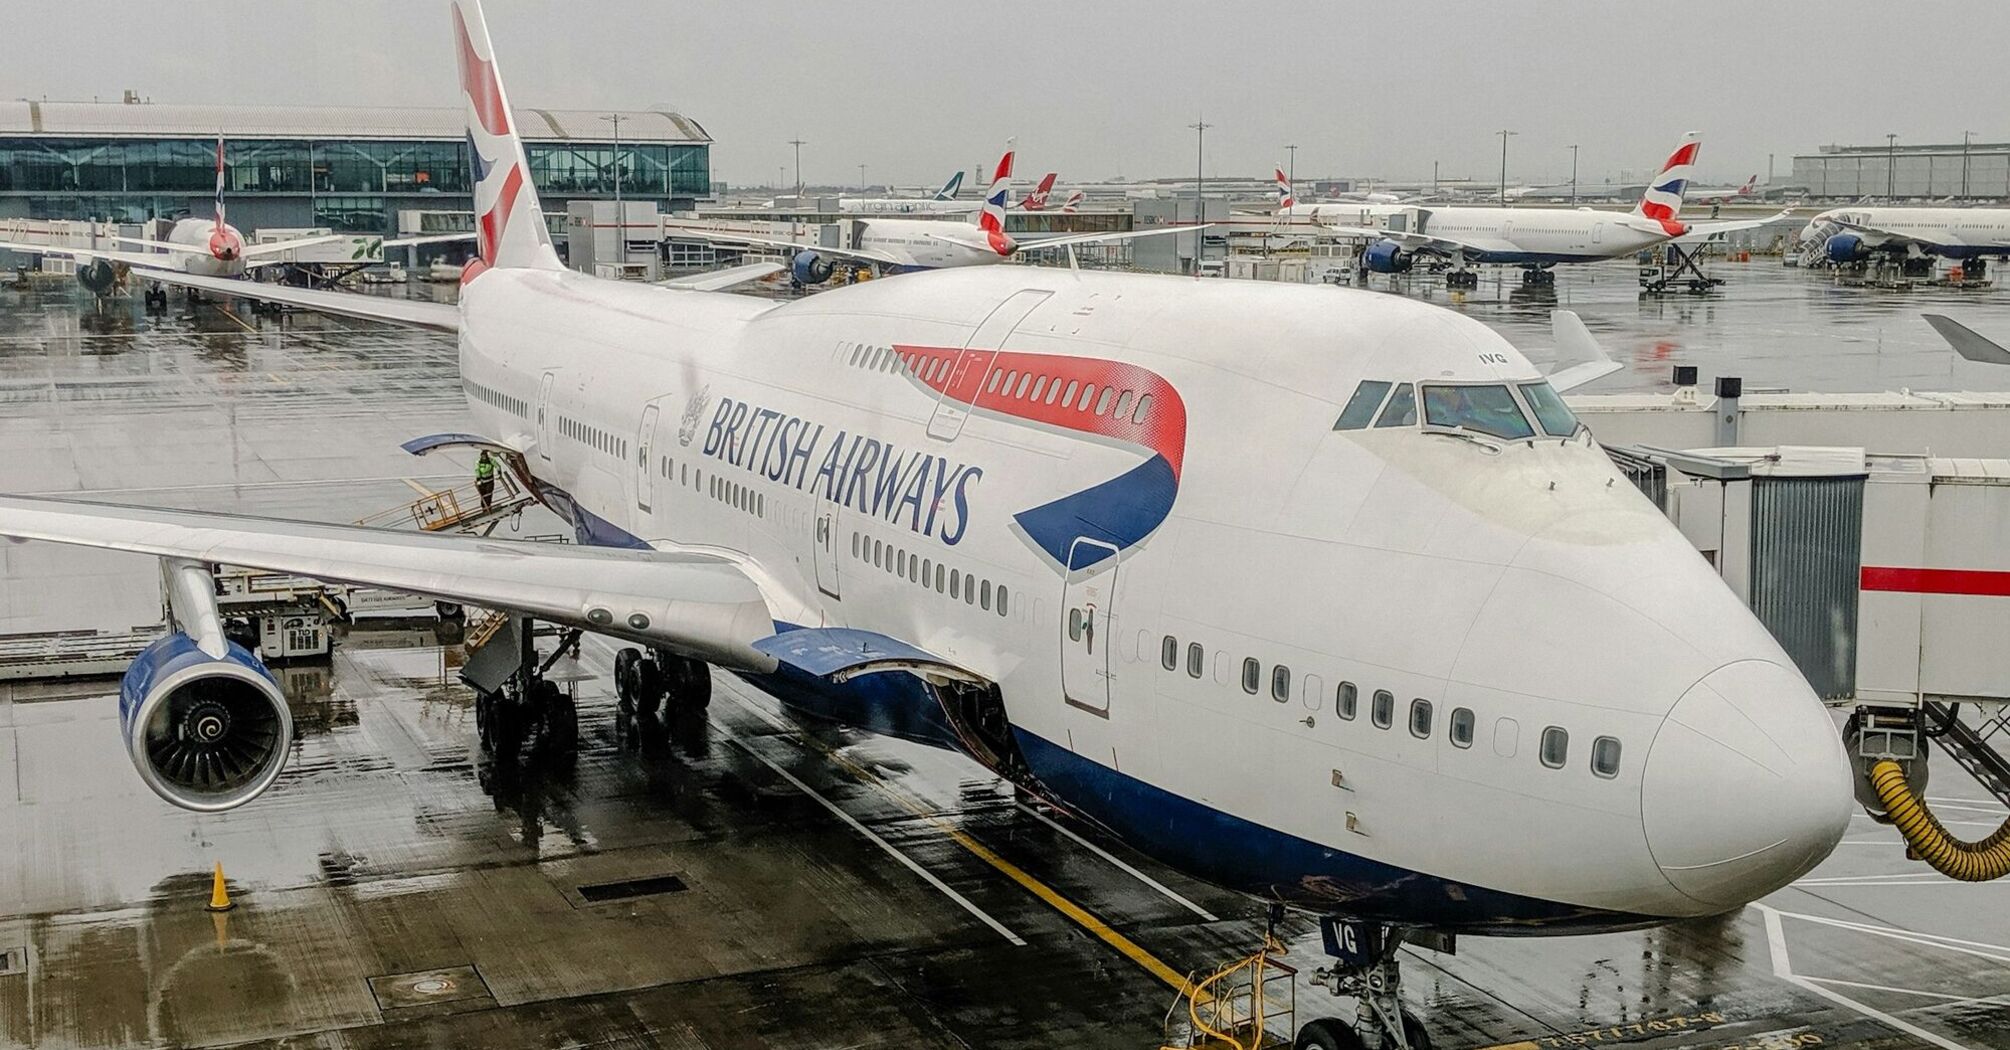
219, 182
509, 223
1662, 202
224, 243
1075, 199
991, 219
1037, 200
1284, 197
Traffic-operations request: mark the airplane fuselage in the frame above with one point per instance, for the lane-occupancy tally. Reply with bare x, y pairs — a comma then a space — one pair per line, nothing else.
219, 247
1396, 672
1541, 235
927, 244
1957, 233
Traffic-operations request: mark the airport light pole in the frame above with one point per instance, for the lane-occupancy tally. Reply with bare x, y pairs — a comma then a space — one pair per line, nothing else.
798, 144
1891, 166
1504, 134
861, 178
1573, 174
620, 217
1965, 136
1199, 179
1291, 167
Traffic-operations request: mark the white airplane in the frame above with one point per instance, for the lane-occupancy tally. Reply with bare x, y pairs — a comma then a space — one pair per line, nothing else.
901, 245
1542, 237
1319, 595
944, 202
208, 247
1855, 233
1317, 216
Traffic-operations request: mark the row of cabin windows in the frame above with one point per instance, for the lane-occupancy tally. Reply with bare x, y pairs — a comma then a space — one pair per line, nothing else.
738, 496
928, 572
1554, 751
1040, 389
593, 437
876, 358
498, 399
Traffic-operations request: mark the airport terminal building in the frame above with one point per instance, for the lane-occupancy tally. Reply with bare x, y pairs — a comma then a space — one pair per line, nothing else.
351, 169
1970, 171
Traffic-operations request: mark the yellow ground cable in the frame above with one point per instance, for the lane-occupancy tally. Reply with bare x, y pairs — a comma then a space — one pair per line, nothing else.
1967, 861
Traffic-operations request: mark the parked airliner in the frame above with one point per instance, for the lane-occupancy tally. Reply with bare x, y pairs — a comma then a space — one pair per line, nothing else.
1855, 233
1317, 594
944, 202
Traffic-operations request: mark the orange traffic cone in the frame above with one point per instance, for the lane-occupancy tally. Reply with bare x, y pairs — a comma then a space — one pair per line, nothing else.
219, 897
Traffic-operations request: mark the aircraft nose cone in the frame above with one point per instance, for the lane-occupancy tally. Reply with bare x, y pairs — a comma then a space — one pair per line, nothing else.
1746, 786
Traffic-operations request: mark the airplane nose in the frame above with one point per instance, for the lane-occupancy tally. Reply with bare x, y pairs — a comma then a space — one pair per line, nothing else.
1746, 787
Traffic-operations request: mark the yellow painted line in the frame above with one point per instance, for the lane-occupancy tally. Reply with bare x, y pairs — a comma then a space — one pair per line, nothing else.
1526, 1044
416, 487
240, 321
1075, 913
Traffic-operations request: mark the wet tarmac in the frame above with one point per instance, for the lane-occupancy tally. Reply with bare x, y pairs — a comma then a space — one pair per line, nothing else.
741, 879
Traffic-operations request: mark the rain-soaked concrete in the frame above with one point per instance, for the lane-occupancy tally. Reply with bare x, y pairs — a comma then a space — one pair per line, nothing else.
399, 889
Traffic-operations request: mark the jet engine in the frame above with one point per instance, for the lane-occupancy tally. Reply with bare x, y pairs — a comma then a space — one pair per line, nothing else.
1845, 248
1387, 257
810, 268
205, 722
98, 275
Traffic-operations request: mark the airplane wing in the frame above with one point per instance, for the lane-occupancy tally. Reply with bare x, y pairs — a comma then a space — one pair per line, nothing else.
1092, 238
412, 313
867, 254
726, 278
1967, 342
1893, 236
166, 246
144, 260
253, 251
1421, 242
693, 604
1703, 231
1579, 358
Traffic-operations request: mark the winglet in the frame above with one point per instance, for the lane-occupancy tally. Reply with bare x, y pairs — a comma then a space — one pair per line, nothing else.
509, 220
1579, 358
1967, 342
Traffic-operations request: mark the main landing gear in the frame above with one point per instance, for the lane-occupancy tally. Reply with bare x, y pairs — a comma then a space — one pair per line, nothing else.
156, 299
645, 681
527, 707
1366, 969
1462, 279
1538, 277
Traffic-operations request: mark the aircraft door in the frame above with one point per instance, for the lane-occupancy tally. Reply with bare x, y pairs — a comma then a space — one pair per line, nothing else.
973, 365
1598, 233
544, 416
645, 441
825, 545
1088, 631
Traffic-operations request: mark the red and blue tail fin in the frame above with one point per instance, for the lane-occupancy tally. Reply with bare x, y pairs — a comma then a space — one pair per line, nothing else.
1037, 200
1075, 199
1284, 197
991, 219
509, 223
219, 184
1663, 200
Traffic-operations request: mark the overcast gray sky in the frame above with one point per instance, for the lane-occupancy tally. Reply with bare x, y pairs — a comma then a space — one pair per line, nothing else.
1099, 88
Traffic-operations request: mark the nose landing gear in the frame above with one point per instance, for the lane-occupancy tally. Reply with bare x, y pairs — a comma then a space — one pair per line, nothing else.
1366, 968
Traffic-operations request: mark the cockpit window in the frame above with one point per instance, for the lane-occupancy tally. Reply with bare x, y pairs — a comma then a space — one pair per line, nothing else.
1549, 409
1401, 410
1361, 407
1487, 409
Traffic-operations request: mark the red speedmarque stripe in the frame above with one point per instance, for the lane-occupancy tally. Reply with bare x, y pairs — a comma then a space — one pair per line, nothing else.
1991, 583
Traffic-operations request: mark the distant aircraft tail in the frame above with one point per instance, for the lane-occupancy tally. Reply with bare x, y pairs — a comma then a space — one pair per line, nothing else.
219, 184
948, 190
1037, 200
1751, 186
1662, 202
991, 219
509, 224
223, 244
1285, 199
1075, 199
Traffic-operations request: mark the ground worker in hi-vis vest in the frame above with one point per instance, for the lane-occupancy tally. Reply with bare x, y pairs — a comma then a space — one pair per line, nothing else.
485, 479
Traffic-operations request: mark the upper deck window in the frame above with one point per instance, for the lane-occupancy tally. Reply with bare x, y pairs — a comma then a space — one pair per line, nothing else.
1549, 409
1361, 407
1401, 410
1486, 409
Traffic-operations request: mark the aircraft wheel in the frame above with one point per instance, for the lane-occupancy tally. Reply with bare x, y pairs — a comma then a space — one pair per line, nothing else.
485, 718
1414, 1032
1328, 1033
689, 682
559, 718
624, 677
646, 685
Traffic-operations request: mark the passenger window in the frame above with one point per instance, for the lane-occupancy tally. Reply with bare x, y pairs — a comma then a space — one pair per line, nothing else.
1088, 395
1420, 718
1103, 403
970, 590
1075, 624
1039, 388
1555, 747
938, 577
1462, 727
1123, 405
1383, 711
1401, 410
996, 376
1280, 683
1144, 407
1169, 653
1069, 397
1489, 410
927, 567
1605, 756
1251, 673
1024, 382
1196, 660
1550, 411
1361, 407
1001, 599
984, 602
1344, 699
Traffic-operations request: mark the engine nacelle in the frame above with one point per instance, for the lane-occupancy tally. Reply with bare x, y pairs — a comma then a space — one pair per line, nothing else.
810, 268
1387, 257
205, 733
1845, 248
98, 275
